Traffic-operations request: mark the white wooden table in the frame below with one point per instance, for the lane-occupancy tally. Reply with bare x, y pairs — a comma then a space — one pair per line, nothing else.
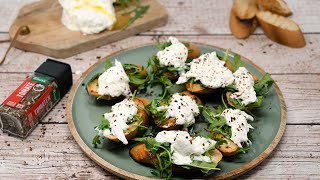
51, 152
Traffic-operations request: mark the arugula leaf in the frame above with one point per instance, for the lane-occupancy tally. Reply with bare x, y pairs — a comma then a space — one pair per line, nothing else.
139, 11
107, 64
216, 122
137, 79
231, 87
96, 141
162, 151
257, 103
243, 150
237, 62
152, 109
162, 46
220, 109
264, 84
131, 68
92, 79
151, 144
225, 57
205, 167
104, 124
165, 82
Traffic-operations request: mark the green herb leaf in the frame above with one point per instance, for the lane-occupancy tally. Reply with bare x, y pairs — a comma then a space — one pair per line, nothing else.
236, 63
205, 167
92, 79
162, 151
264, 84
96, 141
243, 150
225, 57
131, 68
257, 103
139, 11
107, 64
162, 46
137, 79
104, 124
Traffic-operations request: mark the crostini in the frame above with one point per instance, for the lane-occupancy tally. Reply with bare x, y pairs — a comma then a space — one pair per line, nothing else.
171, 59
175, 113
126, 120
230, 129
177, 151
206, 74
117, 81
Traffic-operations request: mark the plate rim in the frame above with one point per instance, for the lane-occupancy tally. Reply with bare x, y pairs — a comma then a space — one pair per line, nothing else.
128, 175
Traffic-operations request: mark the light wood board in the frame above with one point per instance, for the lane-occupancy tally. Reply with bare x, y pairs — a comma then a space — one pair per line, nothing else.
50, 37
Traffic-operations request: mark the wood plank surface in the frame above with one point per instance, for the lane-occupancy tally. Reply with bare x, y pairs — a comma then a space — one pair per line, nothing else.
50, 152
195, 16
272, 57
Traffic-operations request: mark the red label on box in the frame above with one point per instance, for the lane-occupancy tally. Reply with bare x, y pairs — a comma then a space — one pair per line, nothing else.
39, 105
19, 93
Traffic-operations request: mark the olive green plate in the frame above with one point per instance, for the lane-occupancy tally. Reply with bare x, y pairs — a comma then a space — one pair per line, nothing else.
84, 113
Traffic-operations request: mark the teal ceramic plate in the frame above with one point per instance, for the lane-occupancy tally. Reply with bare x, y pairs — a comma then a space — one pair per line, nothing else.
84, 114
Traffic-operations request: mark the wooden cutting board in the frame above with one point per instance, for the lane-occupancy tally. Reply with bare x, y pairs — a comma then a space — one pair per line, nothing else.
50, 37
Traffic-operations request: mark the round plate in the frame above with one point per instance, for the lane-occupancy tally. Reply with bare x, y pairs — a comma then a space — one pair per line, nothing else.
84, 113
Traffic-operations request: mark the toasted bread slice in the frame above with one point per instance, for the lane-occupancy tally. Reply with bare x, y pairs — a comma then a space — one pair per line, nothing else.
245, 9
170, 123
276, 6
141, 154
193, 51
241, 29
198, 89
227, 149
281, 30
133, 130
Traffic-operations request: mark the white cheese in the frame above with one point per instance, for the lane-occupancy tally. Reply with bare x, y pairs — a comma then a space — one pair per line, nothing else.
209, 70
88, 16
186, 149
118, 118
183, 108
174, 55
114, 82
244, 85
237, 120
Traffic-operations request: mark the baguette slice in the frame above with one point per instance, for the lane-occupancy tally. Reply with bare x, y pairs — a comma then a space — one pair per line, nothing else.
245, 9
276, 6
241, 29
281, 30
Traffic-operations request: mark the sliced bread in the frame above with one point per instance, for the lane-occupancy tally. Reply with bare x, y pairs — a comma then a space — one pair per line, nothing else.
241, 28
281, 29
276, 6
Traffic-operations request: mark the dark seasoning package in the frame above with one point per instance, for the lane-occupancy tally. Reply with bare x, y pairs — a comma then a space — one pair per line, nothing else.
35, 97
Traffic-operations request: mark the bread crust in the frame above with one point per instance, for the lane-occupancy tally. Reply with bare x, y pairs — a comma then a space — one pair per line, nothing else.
281, 30
245, 9
276, 6
241, 29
